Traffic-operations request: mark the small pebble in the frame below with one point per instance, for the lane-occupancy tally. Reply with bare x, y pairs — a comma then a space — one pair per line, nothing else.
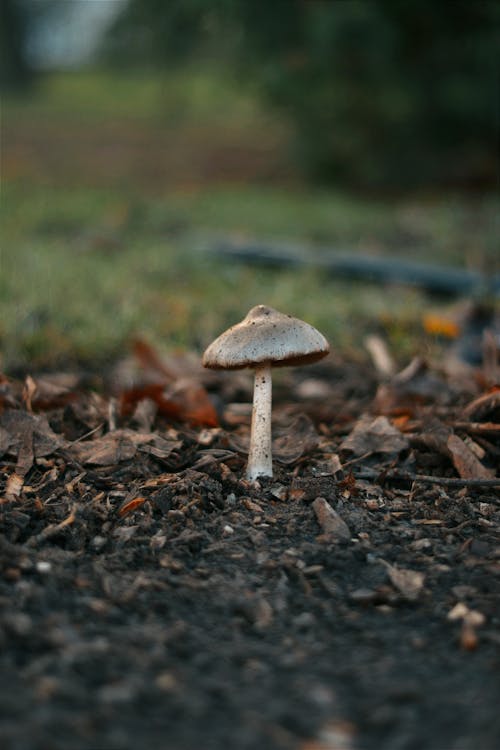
363, 596
166, 681
43, 566
98, 542
279, 491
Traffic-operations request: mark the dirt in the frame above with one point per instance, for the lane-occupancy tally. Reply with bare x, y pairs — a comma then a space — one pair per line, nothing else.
141, 153
151, 597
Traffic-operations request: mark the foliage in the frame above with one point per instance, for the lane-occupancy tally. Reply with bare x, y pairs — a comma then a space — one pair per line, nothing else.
15, 71
84, 271
380, 93
103, 231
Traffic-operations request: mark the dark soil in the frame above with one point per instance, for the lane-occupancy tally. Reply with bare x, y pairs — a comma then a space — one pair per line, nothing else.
150, 597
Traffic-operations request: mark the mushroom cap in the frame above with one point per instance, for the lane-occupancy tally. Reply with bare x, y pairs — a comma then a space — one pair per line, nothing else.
266, 336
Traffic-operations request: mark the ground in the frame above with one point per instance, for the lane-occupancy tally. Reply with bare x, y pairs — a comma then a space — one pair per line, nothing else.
152, 597
149, 595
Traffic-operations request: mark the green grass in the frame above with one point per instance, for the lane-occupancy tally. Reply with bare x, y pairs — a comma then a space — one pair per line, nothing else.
90, 258
186, 94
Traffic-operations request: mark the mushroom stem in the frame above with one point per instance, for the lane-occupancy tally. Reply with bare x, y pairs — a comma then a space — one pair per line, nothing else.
260, 459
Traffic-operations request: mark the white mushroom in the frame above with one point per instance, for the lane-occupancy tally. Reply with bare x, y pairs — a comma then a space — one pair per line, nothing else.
265, 338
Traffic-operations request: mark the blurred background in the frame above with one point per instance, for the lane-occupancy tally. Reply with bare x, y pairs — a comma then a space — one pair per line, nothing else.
165, 166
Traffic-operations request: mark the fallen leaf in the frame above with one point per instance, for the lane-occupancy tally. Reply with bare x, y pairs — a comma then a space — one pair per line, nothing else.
130, 398
294, 438
13, 487
374, 436
184, 401
436, 325
9, 393
251, 505
465, 462
412, 386
28, 392
16, 422
144, 414
131, 505
50, 392
105, 451
25, 456
193, 402
150, 359
161, 447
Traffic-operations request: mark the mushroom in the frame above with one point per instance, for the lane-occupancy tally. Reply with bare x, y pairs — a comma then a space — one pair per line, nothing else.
265, 338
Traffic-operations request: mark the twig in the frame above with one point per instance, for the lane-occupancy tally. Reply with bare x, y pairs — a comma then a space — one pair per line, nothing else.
427, 479
53, 529
386, 270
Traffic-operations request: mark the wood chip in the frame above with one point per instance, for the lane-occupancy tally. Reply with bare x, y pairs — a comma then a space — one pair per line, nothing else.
464, 460
14, 487
334, 527
131, 505
409, 583
379, 352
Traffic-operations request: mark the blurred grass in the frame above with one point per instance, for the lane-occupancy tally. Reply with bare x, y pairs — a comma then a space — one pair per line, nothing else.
188, 93
111, 186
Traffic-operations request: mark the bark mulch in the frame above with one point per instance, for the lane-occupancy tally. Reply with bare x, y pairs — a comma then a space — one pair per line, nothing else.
151, 597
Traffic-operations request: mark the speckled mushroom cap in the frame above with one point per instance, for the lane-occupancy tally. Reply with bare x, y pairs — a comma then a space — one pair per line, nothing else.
266, 335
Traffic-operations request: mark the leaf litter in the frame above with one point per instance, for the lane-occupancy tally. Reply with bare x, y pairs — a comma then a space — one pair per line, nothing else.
150, 594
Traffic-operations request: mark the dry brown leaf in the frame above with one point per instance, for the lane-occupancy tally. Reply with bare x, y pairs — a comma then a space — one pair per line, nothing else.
16, 422
184, 401
160, 447
151, 360
464, 460
25, 456
107, 450
374, 436
14, 487
50, 391
9, 393
413, 386
122, 445
438, 325
294, 438
28, 392
193, 403
131, 505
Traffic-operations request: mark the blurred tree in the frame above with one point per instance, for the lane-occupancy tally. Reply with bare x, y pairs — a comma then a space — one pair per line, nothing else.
15, 71
381, 92
19, 21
